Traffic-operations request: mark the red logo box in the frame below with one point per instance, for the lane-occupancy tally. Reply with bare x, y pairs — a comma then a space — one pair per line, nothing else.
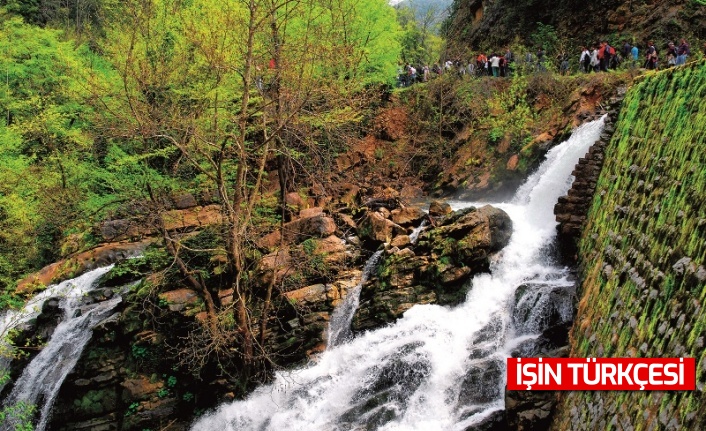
601, 374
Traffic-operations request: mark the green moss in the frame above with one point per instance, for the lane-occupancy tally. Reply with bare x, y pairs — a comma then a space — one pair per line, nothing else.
656, 166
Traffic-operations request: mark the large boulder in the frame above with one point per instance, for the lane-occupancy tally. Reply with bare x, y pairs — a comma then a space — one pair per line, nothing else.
407, 216
375, 229
439, 209
178, 219
436, 269
469, 235
317, 225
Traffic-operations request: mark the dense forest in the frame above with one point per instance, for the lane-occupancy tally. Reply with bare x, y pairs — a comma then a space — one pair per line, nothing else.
109, 103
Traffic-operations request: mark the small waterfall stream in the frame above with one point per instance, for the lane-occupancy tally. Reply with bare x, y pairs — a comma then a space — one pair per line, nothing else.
437, 368
41, 380
340, 325
339, 330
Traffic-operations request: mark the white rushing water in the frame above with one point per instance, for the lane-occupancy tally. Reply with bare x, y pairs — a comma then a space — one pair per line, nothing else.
339, 330
340, 324
437, 368
41, 380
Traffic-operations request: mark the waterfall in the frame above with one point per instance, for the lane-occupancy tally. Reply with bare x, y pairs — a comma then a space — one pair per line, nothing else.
436, 368
41, 380
339, 329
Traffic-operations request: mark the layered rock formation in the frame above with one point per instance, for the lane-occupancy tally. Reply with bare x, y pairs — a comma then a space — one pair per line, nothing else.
435, 270
572, 209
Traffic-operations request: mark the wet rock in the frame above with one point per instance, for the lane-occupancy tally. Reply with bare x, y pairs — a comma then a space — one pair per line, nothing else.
77, 264
529, 410
408, 216
482, 383
439, 209
375, 229
436, 268
496, 421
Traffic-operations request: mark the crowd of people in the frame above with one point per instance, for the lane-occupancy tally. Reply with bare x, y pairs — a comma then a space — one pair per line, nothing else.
603, 56
596, 58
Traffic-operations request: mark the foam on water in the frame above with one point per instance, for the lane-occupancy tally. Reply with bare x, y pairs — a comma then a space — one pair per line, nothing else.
437, 368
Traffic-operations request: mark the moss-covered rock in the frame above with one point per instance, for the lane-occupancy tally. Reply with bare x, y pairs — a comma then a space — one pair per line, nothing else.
643, 253
436, 269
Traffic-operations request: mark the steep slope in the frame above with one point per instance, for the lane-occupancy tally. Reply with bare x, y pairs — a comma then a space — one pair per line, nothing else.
493, 23
643, 255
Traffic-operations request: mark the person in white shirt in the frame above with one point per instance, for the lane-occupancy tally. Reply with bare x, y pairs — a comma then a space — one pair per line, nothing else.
585, 59
495, 64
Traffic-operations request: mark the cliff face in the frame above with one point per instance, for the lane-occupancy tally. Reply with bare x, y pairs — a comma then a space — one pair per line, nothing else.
493, 23
643, 255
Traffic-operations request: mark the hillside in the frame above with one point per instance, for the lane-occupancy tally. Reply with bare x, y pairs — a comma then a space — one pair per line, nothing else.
489, 24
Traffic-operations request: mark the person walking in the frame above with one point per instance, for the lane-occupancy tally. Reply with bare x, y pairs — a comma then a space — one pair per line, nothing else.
682, 52
509, 62
563, 61
585, 59
540, 60
595, 60
635, 55
626, 50
608, 53
652, 58
495, 65
671, 55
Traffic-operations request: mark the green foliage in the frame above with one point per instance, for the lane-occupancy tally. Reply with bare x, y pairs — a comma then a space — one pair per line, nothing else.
421, 44
309, 246
171, 381
132, 409
17, 417
545, 36
139, 352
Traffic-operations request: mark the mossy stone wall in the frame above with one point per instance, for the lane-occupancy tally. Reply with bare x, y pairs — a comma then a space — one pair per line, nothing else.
642, 256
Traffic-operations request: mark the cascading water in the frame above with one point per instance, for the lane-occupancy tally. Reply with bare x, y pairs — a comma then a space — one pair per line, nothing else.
339, 328
41, 380
12, 319
437, 368
340, 325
